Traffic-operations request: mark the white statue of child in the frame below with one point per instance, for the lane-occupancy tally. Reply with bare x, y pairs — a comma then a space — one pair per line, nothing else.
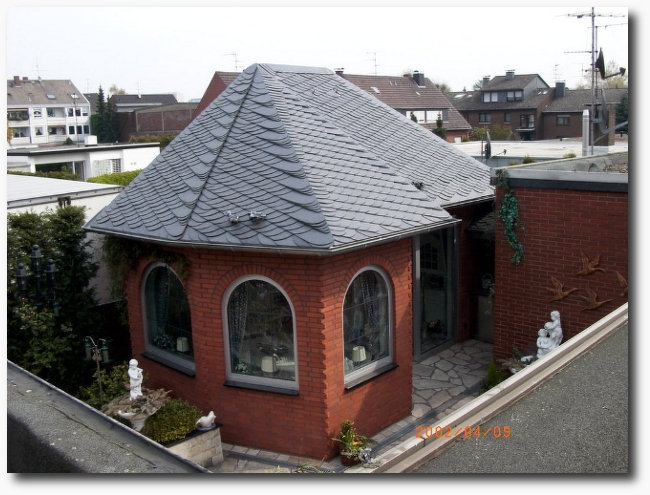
135, 379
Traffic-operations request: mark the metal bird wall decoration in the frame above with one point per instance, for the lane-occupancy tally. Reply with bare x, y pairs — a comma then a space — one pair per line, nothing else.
622, 283
558, 290
589, 266
592, 300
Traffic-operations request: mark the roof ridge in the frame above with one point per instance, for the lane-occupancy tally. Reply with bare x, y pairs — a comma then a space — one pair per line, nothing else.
218, 153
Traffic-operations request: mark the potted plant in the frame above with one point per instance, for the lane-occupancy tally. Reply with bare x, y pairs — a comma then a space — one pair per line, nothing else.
351, 443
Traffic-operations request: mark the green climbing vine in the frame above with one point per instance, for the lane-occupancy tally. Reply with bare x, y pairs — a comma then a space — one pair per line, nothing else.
509, 215
122, 254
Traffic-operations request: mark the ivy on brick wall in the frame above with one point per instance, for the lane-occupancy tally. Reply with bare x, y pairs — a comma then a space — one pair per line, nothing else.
121, 255
509, 215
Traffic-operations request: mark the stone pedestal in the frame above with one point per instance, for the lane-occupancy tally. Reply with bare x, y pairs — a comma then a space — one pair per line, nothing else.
200, 447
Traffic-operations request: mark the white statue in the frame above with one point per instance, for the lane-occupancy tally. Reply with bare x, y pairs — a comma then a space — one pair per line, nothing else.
550, 336
135, 379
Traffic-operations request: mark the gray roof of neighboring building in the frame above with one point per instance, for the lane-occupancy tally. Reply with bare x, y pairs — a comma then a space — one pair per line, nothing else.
473, 100
43, 92
577, 100
516, 81
403, 93
299, 159
29, 190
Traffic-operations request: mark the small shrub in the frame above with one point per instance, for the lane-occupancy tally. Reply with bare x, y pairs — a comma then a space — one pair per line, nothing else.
493, 377
173, 421
569, 155
114, 385
528, 159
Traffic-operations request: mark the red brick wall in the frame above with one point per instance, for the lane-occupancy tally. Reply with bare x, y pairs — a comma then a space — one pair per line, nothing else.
556, 226
302, 424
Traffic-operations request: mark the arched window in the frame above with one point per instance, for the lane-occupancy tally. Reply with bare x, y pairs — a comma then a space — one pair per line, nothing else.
367, 325
260, 335
167, 314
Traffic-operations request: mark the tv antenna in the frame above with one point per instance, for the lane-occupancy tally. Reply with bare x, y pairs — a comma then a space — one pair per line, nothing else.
374, 58
592, 14
234, 54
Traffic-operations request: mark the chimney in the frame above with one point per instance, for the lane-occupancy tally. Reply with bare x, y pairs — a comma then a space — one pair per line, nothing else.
486, 80
560, 89
25, 78
339, 71
17, 80
510, 74
418, 77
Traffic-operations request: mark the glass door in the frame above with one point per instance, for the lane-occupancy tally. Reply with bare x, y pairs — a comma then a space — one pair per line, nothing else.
434, 322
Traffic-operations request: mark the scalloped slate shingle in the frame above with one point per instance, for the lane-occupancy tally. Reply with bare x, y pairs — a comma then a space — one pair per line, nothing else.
294, 158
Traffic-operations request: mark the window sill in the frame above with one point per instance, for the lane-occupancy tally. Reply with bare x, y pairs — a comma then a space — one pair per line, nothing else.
186, 369
261, 388
349, 385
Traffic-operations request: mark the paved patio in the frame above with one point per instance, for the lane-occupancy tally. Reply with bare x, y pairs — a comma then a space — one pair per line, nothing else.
441, 384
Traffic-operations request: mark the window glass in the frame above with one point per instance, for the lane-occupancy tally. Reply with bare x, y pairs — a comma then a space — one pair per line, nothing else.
169, 328
260, 333
366, 322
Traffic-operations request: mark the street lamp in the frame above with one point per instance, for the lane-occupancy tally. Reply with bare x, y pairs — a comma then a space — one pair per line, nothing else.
22, 279
98, 352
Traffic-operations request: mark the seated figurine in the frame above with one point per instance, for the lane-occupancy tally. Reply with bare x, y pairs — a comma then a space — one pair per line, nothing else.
550, 336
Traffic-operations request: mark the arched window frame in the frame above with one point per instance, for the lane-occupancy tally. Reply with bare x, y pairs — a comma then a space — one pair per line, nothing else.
250, 381
183, 364
374, 368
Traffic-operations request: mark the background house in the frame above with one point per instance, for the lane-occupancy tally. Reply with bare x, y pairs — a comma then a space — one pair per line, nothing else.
163, 119
532, 110
513, 101
303, 242
41, 111
574, 213
85, 161
220, 81
414, 96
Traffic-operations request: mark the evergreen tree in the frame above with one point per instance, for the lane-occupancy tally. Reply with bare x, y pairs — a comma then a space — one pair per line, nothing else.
49, 342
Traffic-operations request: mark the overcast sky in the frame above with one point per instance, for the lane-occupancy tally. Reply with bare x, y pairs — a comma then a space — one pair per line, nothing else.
170, 49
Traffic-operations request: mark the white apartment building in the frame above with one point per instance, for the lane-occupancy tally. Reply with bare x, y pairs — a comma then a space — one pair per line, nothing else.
46, 112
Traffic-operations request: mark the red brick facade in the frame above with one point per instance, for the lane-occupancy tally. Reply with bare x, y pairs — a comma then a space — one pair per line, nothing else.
300, 424
556, 225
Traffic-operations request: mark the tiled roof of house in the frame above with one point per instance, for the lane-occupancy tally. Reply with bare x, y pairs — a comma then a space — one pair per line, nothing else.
577, 100
295, 158
402, 93
43, 92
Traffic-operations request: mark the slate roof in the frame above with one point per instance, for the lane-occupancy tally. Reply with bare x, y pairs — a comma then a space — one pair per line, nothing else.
473, 101
298, 159
517, 81
577, 100
35, 92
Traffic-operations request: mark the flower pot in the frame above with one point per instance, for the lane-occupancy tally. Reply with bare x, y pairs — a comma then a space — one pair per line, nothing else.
349, 459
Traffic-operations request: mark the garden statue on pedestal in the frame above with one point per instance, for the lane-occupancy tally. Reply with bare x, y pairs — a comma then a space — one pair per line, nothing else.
139, 403
550, 336
135, 379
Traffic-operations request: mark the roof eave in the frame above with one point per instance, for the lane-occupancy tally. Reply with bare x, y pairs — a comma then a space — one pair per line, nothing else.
310, 251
